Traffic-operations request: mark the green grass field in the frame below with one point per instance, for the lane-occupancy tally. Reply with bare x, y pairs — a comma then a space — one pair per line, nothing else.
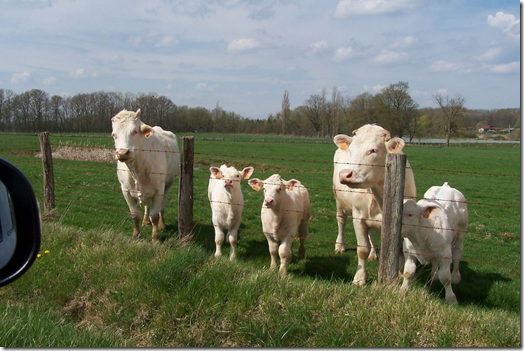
98, 287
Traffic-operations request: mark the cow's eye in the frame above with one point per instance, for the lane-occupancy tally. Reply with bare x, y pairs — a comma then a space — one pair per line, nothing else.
113, 135
373, 151
134, 132
279, 189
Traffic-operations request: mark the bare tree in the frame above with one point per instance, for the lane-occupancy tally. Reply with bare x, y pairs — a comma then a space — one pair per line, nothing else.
286, 112
314, 111
452, 110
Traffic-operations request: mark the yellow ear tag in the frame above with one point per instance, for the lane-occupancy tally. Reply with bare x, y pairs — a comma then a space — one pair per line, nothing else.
344, 145
256, 187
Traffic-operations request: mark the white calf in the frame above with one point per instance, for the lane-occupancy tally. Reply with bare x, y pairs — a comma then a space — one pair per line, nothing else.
435, 228
227, 203
286, 209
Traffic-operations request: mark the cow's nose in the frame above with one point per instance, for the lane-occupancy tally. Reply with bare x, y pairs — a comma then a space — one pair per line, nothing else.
122, 154
228, 182
269, 202
346, 176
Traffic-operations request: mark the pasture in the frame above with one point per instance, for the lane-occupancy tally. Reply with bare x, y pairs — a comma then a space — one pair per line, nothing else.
98, 287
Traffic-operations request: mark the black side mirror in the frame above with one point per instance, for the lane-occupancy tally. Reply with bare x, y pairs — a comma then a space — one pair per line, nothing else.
20, 229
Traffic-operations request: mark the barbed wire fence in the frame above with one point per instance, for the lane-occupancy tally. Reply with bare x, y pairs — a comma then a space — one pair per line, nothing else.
187, 205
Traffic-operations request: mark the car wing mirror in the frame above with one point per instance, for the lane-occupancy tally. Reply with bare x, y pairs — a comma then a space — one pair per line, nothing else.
20, 227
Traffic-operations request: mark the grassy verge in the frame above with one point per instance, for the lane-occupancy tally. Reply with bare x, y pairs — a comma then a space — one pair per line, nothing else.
101, 288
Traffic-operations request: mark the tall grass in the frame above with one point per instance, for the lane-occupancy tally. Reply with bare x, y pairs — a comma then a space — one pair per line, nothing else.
98, 287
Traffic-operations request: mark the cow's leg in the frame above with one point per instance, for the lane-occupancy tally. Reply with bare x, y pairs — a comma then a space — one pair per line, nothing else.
136, 214
154, 215
363, 248
444, 275
410, 266
161, 222
285, 253
146, 221
372, 253
341, 220
457, 248
302, 235
273, 251
219, 240
232, 235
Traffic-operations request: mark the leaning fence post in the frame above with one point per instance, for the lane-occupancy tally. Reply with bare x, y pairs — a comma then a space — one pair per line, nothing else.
185, 188
49, 181
390, 240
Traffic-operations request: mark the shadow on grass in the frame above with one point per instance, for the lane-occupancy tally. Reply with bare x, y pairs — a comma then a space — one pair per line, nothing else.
474, 288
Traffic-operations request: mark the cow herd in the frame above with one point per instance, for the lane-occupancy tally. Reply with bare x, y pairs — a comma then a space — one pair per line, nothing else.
433, 228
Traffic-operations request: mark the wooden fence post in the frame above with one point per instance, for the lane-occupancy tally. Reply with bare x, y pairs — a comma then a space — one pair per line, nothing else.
49, 180
185, 188
390, 240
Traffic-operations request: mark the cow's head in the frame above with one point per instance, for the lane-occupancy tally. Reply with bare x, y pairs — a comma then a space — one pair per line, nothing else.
274, 189
422, 217
230, 176
128, 133
362, 162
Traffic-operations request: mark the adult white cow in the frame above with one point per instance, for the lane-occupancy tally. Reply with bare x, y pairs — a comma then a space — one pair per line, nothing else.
286, 209
227, 203
435, 227
358, 184
148, 164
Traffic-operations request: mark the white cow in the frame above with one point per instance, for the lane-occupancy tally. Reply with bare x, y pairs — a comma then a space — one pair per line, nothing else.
148, 164
227, 203
286, 209
358, 184
435, 227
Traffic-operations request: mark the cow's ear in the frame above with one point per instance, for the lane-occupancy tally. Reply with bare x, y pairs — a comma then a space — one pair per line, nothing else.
256, 184
247, 172
291, 184
147, 130
216, 172
137, 113
395, 145
342, 141
429, 211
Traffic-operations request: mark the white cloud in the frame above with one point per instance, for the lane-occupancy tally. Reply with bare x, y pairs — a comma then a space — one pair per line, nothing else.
205, 87
503, 21
404, 43
442, 91
49, 80
343, 54
507, 67
387, 57
444, 66
79, 73
166, 42
20, 77
318, 47
375, 88
243, 45
116, 59
489, 56
346, 8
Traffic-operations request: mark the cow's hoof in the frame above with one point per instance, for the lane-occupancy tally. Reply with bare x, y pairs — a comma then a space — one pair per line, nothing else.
339, 250
372, 257
452, 300
359, 282
156, 239
137, 236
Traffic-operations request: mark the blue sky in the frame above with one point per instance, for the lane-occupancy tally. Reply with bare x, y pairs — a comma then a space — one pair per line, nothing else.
245, 54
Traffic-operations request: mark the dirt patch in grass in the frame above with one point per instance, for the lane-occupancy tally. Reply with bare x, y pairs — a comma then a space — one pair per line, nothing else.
90, 154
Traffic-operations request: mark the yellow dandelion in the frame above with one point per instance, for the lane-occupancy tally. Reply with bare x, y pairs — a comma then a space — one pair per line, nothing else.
46, 251
38, 255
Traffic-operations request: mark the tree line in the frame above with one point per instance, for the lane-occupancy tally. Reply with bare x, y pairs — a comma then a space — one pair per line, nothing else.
319, 116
